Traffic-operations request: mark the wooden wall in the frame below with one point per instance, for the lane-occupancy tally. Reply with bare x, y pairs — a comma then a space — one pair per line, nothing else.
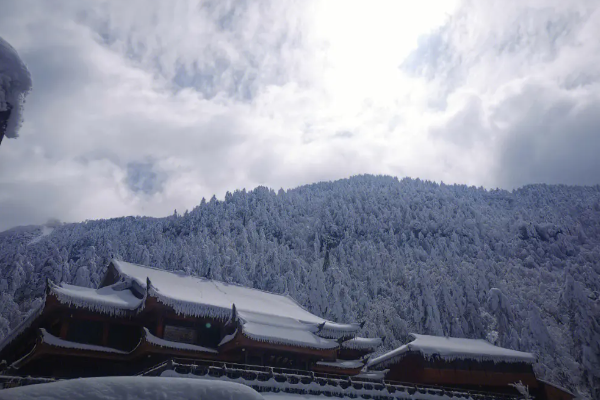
470, 374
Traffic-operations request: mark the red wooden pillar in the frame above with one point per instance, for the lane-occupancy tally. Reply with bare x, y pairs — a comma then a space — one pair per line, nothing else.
64, 328
160, 326
105, 330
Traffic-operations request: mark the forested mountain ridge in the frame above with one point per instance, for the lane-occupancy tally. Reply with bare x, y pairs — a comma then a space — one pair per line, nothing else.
519, 268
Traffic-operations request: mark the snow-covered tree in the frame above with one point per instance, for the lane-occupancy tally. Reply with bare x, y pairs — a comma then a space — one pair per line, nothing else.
519, 268
15, 84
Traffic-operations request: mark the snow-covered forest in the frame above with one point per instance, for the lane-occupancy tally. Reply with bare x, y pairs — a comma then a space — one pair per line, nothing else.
521, 268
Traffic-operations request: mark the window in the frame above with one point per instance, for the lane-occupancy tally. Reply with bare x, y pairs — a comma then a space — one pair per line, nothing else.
123, 337
85, 331
180, 334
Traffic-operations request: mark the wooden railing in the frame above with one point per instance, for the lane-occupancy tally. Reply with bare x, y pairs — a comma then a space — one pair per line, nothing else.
271, 379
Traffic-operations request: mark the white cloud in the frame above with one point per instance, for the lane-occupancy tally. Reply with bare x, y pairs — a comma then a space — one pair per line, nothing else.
215, 96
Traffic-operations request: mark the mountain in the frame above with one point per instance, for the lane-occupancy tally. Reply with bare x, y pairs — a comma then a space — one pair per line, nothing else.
520, 269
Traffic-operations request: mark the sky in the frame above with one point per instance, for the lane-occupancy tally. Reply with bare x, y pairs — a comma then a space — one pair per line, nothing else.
144, 107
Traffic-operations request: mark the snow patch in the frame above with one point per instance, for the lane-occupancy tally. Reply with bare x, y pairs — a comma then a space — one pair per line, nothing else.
46, 231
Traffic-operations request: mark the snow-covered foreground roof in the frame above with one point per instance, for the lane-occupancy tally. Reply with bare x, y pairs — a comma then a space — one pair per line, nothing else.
113, 300
132, 388
295, 387
451, 349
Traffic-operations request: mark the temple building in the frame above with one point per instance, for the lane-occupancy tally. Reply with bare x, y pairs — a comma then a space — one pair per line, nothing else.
471, 364
141, 316
143, 320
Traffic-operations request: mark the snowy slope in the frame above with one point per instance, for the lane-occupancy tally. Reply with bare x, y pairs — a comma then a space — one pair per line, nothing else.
521, 268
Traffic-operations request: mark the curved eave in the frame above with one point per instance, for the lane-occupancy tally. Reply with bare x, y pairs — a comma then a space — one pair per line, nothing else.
28, 324
362, 344
43, 348
151, 344
241, 340
186, 308
332, 346
336, 331
59, 296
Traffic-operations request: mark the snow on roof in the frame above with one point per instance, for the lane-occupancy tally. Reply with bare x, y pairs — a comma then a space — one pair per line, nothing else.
360, 343
334, 330
265, 316
26, 323
150, 338
193, 295
58, 342
282, 330
133, 388
451, 349
114, 299
343, 364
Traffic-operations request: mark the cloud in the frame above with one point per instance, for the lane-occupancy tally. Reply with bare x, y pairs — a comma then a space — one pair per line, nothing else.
144, 107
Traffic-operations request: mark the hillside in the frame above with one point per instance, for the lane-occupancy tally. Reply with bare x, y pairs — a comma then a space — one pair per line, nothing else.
520, 268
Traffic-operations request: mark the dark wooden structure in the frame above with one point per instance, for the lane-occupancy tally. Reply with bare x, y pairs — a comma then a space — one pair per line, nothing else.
141, 317
132, 322
465, 364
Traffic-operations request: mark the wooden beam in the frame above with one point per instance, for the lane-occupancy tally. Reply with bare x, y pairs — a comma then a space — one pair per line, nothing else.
64, 328
160, 325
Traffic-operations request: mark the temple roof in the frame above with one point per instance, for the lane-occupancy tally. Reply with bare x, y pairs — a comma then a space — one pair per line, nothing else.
115, 299
263, 316
451, 349
196, 296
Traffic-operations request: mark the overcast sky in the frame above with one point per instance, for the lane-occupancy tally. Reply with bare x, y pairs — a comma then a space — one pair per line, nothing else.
140, 108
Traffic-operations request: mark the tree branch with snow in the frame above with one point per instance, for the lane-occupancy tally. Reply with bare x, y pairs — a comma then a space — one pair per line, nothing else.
15, 84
